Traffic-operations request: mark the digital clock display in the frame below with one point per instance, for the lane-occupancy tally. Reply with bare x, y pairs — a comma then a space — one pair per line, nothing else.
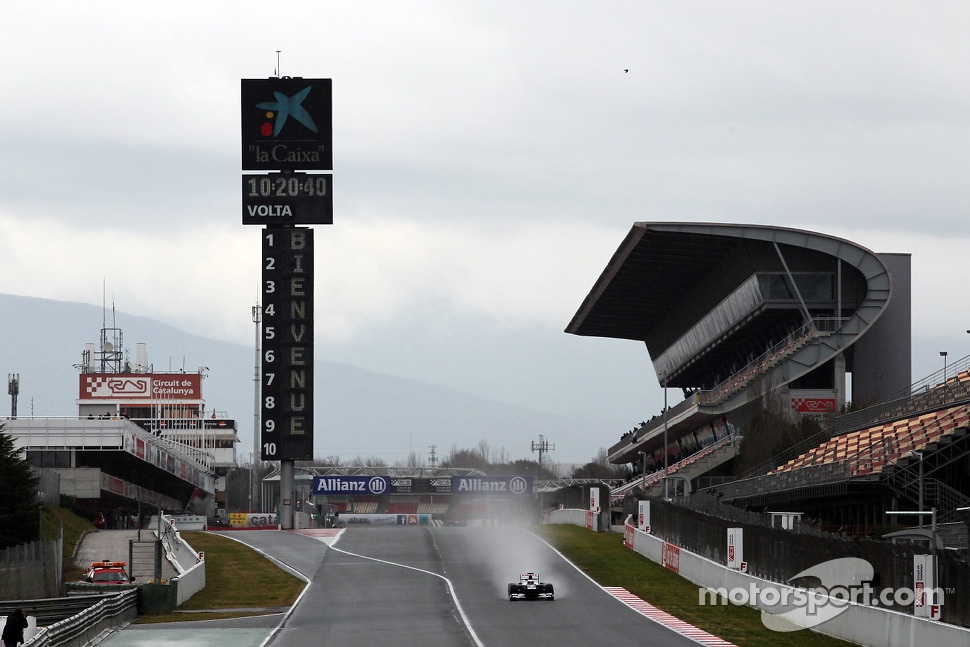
287, 199
287, 186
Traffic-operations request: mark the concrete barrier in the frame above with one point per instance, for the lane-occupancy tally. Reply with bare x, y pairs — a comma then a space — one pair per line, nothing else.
859, 623
569, 516
189, 563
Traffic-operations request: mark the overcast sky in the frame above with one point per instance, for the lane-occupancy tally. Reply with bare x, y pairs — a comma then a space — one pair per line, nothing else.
489, 158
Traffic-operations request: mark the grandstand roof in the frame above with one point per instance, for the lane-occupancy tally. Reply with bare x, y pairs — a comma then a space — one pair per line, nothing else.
656, 265
666, 277
730, 312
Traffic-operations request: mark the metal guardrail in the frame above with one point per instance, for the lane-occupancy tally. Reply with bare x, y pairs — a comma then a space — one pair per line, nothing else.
83, 627
646, 481
107, 611
817, 327
51, 610
943, 376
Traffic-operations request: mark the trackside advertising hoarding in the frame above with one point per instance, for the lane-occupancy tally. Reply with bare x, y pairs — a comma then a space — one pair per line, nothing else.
350, 484
505, 485
491, 485
412, 485
140, 386
287, 123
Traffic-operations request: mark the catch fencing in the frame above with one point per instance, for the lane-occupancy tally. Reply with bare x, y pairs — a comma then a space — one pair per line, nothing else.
33, 570
776, 554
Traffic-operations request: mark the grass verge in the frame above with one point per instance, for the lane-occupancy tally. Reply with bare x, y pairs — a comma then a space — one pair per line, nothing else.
231, 568
604, 558
74, 526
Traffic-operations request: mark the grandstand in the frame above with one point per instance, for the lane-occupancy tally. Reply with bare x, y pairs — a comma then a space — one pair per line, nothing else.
905, 453
735, 317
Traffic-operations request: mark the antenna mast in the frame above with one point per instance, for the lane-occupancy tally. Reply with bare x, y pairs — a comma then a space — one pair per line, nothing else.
13, 388
542, 446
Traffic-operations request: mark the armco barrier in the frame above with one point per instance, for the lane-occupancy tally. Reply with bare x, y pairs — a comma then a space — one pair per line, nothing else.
84, 626
861, 624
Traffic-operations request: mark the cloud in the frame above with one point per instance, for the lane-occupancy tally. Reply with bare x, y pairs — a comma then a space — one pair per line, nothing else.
368, 273
488, 158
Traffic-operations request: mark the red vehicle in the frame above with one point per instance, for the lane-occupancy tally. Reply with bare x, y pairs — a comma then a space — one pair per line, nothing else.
99, 521
107, 573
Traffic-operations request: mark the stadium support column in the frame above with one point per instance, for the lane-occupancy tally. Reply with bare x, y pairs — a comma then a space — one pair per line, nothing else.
666, 454
286, 494
840, 395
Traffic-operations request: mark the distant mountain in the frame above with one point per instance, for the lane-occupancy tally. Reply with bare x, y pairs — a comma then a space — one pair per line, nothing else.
358, 413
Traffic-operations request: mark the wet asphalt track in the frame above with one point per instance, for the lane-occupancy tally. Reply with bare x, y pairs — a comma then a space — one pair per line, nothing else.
402, 599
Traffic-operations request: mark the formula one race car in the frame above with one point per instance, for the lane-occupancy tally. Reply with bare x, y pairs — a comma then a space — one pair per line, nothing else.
530, 588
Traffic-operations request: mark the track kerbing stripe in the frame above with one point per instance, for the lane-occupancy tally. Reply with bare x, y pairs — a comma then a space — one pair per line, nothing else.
664, 618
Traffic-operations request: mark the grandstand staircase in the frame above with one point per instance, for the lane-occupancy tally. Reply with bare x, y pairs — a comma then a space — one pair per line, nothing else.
904, 476
757, 368
695, 466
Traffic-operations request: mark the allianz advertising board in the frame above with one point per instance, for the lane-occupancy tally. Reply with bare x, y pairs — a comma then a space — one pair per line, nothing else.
378, 485
491, 485
350, 484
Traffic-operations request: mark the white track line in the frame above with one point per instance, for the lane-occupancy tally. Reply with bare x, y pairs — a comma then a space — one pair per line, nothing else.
662, 618
286, 567
451, 589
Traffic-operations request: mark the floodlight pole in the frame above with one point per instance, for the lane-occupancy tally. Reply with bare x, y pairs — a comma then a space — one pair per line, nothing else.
921, 489
943, 354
